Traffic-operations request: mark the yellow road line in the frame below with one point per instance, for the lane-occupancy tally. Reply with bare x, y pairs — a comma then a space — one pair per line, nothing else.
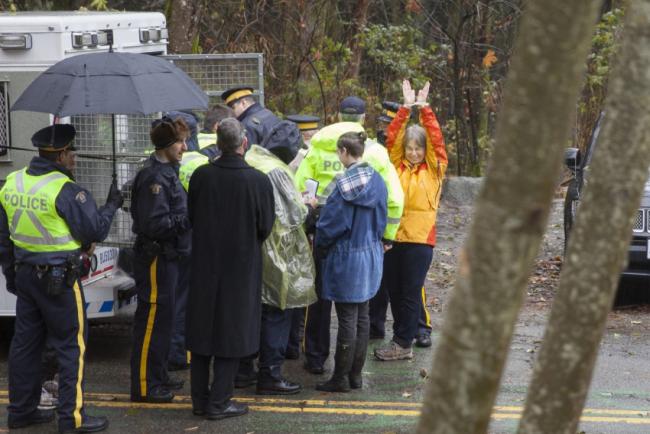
183, 400
345, 411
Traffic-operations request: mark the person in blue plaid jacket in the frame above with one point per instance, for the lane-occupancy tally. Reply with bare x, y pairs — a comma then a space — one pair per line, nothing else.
349, 236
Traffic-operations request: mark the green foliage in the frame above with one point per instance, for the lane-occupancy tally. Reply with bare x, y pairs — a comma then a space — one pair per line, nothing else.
393, 53
605, 44
99, 5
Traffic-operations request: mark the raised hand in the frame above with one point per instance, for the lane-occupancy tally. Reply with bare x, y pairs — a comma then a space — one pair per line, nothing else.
423, 95
409, 94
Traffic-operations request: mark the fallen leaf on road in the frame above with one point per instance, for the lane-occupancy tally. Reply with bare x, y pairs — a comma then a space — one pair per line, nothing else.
423, 373
406, 395
530, 350
192, 428
636, 322
105, 398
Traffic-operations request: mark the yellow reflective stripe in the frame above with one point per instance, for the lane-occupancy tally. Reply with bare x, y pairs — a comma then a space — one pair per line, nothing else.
424, 306
304, 329
150, 320
79, 402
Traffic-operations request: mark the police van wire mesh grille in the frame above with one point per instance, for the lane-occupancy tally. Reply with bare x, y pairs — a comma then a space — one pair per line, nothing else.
4, 119
213, 73
638, 221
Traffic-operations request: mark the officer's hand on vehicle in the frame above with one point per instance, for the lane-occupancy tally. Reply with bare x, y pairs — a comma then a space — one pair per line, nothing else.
115, 196
91, 249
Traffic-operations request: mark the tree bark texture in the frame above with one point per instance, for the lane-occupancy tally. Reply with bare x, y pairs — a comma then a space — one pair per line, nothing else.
359, 20
510, 217
597, 249
184, 24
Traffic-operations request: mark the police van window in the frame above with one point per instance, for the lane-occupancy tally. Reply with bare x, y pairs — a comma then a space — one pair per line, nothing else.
4, 120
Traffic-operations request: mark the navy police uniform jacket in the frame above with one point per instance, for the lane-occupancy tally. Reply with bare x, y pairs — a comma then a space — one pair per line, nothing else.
159, 207
75, 205
258, 122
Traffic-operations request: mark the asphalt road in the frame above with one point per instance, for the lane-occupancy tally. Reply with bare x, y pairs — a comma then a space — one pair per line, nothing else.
619, 399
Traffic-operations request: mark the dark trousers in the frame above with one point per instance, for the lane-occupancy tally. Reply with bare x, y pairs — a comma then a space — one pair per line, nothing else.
62, 318
296, 332
276, 324
206, 397
177, 351
352, 336
379, 306
405, 268
152, 324
317, 324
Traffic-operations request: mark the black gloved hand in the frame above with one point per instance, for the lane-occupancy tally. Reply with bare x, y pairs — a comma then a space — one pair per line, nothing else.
115, 197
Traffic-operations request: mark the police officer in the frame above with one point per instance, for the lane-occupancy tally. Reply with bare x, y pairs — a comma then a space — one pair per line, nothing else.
178, 357
208, 135
46, 222
379, 303
308, 126
161, 225
322, 164
257, 120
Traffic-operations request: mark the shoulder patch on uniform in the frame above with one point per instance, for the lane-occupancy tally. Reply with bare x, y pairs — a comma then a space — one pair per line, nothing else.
81, 197
155, 188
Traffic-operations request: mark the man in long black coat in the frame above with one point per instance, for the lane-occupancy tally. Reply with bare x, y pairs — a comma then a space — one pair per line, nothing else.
232, 211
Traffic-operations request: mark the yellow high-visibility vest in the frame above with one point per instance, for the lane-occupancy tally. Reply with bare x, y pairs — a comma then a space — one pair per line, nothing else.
30, 204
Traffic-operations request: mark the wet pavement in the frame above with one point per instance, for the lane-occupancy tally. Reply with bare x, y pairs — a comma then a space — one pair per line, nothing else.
619, 399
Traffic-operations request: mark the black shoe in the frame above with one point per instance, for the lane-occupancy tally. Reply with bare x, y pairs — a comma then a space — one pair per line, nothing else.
89, 424
242, 381
334, 384
273, 386
232, 410
313, 369
174, 383
172, 367
292, 354
38, 417
198, 412
158, 396
423, 341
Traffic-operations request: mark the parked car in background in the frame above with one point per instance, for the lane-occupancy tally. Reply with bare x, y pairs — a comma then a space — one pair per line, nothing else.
637, 271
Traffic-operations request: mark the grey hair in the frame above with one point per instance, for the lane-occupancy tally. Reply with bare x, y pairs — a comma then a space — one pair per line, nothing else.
230, 134
348, 117
415, 133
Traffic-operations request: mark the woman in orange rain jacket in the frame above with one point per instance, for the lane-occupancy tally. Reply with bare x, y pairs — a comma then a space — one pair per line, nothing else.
418, 153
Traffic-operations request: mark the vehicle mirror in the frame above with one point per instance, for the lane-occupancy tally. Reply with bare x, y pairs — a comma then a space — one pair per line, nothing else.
572, 158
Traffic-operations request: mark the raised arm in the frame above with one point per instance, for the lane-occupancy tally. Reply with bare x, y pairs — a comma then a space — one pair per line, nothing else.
436, 155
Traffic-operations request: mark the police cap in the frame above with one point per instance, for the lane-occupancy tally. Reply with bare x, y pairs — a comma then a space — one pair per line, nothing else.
353, 105
305, 122
236, 93
388, 112
54, 138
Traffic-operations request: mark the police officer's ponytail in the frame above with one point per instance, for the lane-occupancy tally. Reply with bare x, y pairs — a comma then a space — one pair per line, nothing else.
353, 142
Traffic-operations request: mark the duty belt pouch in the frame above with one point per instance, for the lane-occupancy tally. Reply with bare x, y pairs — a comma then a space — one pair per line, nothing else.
55, 280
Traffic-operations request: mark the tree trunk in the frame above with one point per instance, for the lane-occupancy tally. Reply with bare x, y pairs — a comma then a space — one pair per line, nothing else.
183, 24
359, 20
599, 240
511, 215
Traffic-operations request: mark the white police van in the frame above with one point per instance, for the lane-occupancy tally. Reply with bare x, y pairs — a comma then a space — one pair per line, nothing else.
30, 42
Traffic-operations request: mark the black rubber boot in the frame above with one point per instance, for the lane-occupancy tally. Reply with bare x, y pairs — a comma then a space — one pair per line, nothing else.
358, 360
342, 365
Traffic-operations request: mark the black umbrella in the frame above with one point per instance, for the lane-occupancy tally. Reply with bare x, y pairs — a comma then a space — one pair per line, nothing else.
111, 83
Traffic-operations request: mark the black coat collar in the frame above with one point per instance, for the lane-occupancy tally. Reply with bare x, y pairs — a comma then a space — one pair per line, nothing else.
231, 161
41, 166
250, 111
